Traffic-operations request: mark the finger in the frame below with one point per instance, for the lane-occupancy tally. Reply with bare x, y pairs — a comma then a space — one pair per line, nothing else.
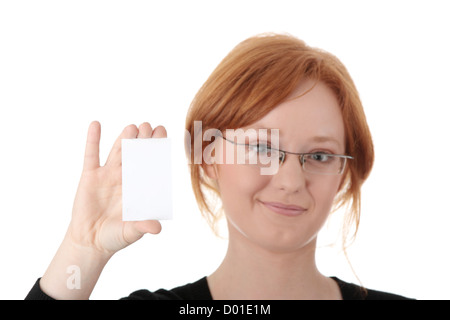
91, 153
159, 132
115, 155
145, 130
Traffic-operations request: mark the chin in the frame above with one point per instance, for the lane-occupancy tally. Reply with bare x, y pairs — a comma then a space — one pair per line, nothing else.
273, 237
282, 241
290, 245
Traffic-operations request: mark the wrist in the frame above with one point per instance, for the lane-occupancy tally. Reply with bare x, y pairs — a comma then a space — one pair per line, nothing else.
74, 271
88, 252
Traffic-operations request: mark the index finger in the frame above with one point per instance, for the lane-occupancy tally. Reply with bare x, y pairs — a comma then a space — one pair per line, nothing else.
91, 153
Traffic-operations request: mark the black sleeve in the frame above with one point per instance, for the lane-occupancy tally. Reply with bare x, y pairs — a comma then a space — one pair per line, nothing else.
36, 293
198, 290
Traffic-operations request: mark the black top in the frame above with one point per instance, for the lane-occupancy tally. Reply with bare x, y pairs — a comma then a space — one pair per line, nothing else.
199, 290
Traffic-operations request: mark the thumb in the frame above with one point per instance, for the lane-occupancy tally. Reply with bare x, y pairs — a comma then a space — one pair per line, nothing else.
148, 226
134, 230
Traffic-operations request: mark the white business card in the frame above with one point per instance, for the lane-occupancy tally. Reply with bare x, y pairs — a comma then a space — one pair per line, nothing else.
146, 179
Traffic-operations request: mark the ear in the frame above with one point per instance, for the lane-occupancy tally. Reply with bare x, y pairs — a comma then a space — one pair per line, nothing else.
209, 163
210, 171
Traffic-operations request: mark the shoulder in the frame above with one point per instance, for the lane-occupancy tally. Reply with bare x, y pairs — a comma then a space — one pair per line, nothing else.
198, 290
351, 291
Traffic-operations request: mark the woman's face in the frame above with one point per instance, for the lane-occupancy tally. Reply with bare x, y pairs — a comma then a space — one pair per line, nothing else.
285, 211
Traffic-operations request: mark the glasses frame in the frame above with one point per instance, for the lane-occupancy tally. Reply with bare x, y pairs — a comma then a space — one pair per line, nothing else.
302, 157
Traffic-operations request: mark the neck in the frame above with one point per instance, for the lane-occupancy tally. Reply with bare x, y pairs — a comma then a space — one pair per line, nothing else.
249, 271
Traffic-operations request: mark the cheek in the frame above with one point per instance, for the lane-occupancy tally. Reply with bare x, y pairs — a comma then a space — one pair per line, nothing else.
324, 191
238, 186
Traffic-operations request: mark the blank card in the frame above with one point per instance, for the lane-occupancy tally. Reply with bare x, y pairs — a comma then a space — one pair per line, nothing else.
146, 179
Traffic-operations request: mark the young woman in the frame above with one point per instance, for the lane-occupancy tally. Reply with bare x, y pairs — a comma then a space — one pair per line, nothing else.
322, 153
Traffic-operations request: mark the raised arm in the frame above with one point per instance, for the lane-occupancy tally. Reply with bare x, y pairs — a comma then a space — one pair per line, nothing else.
96, 230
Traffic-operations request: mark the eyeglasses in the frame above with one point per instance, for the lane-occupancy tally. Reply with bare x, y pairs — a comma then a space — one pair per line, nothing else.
262, 155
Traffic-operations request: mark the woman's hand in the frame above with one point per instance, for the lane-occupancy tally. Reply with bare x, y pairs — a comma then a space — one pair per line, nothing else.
97, 210
96, 230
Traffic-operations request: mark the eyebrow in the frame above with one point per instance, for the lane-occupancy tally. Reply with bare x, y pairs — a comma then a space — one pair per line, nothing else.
316, 139
325, 139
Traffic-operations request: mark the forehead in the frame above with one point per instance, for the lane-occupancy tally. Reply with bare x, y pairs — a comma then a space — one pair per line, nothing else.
311, 113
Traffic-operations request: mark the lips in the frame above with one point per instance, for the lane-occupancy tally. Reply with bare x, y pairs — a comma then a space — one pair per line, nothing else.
284, 209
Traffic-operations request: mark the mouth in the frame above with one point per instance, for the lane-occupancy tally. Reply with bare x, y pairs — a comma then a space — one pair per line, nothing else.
284, 209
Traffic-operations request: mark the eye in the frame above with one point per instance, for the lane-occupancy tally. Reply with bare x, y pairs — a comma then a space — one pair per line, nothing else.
260, 148
321, 157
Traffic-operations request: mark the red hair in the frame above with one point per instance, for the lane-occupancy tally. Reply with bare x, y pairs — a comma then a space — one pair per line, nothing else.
253, 79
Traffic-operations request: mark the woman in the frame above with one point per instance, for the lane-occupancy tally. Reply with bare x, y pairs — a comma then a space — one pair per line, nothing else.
321, 153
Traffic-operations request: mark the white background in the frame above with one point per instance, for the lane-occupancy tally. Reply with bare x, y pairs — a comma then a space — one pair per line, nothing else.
66, 63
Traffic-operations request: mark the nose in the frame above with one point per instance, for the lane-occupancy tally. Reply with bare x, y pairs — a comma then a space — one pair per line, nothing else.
290, 176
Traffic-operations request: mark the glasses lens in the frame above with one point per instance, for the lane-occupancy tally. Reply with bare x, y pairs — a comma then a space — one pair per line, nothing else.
323, 163
261, 155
